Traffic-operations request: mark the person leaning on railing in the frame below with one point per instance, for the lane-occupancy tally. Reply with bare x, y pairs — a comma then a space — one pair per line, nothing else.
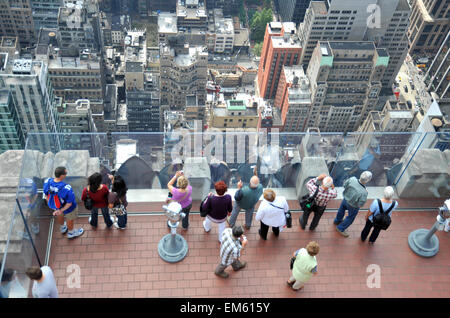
271, 212
325, 193
355, 196
246, 198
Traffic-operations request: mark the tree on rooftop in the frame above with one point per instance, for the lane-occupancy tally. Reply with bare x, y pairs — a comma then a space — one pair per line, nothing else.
259, 23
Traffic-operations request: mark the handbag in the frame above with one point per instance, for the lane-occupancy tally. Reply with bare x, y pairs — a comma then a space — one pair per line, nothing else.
119, 209
382, 220
293, 258
204, 211
88, 202
307, 201
287, 215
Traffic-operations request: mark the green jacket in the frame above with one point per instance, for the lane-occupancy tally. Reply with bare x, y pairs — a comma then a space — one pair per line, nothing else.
247, 197
355, 193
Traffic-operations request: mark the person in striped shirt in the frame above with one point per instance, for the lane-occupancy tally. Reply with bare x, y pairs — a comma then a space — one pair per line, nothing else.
233, 241
324, 195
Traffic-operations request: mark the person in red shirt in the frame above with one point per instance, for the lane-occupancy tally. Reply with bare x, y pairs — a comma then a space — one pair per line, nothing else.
98, 193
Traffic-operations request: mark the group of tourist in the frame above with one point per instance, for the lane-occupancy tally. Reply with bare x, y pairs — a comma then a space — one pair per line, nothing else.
61, 199
219, 209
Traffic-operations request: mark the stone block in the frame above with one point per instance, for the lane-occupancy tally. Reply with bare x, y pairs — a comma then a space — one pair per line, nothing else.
197, 171
427, 176
311, 168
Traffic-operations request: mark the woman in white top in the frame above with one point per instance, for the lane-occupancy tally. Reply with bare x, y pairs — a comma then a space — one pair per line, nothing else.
271, 212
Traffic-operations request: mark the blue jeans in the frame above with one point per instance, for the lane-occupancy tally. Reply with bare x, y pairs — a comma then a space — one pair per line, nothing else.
106, 217
235, 213
352, 213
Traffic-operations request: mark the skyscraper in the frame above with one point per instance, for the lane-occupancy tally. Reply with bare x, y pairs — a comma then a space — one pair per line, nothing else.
11, 134
16, 19
45, 13
438, 75
33, 96
293, 10
382, 21
281, 47
429, 25
345, 79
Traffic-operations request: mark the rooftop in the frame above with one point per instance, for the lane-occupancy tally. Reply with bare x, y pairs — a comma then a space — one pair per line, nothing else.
167, 22
352, 45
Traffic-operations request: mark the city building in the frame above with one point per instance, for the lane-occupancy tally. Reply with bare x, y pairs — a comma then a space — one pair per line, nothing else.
428, 25
348, 21
77, 29
32, 93
437, 78
11, 134
293, 98
76, 118
167, 27
143, 111
10, 45
224, 33
77, 77
345, 80
163, 5
239, 112
194, 110
45, 13
292, 10
183, 72
16, 19
229, 7
191, 14
281, 47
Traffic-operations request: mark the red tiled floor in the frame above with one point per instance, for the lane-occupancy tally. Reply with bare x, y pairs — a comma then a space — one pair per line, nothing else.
126, 263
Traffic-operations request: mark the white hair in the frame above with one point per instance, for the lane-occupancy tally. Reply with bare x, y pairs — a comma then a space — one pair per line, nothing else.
327, 182
365, 177
254, 182
388, 193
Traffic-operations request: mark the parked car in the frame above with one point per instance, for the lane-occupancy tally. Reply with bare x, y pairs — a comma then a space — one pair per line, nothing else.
413, 87
409, 104
405, 88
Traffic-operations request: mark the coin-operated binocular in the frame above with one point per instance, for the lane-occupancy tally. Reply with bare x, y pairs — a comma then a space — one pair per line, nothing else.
423, 242
173, 247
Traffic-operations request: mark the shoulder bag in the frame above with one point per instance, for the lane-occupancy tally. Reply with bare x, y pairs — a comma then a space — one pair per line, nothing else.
88, 203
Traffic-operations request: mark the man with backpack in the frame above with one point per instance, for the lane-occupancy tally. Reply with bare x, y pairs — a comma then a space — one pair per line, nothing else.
61, 199
379, 215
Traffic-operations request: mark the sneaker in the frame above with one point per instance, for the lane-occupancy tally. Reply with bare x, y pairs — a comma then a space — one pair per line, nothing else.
116, 225
343, 233
312, 228
337, 223
35, 228
75, 233
204, 227
63, 228
222, 274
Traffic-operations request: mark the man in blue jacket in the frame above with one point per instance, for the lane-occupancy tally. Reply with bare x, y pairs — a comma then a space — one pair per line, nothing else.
61, 199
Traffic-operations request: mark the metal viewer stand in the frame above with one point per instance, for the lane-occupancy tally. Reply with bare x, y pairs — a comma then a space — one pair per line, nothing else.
173, 247
423, 242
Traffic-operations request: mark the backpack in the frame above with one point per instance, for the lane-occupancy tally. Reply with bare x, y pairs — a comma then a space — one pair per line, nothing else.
382, 220
88, 202
119, 208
